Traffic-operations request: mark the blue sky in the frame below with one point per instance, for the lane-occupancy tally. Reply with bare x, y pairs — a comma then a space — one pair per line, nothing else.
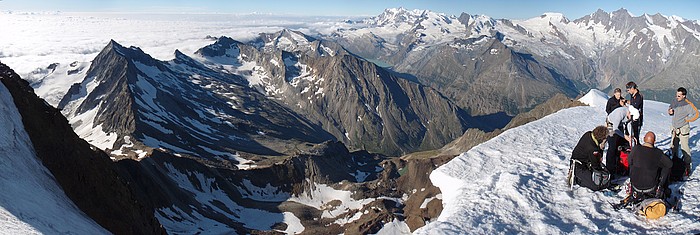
513, 9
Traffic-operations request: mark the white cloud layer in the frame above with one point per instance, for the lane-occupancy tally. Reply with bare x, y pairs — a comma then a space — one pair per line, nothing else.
35, 40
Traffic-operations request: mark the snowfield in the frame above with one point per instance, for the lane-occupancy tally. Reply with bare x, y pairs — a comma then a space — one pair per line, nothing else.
516, 182
31, 202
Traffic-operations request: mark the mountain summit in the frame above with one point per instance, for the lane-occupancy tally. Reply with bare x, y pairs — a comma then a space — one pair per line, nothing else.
180, 105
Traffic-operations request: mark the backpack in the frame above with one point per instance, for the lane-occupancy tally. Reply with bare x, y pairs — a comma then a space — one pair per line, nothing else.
677, 170
678, 167
624, 165
601, 178
652, 208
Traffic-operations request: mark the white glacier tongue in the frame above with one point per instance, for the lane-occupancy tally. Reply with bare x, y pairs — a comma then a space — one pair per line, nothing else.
515, 182
31, 202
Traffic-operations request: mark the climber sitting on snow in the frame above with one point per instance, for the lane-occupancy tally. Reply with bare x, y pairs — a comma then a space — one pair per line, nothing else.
649, 169
586, 168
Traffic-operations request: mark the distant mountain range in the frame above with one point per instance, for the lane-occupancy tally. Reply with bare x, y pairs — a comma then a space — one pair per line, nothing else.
490, 65
266, 98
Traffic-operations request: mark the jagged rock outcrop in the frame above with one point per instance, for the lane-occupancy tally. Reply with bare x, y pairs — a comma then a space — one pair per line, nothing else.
86, 175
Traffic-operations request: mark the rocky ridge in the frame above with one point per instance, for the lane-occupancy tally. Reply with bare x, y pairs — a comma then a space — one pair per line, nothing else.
87, 175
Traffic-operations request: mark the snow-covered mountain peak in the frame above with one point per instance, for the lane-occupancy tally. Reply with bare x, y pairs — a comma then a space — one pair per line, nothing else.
394, 16
485, 20
555, 17
286, 40
599, 17
399, 16
114, 46
225, 48
595, 98
677, 18
622, 12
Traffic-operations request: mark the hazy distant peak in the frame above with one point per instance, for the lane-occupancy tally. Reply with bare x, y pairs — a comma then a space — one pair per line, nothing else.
397, 16
555, 17
622, 12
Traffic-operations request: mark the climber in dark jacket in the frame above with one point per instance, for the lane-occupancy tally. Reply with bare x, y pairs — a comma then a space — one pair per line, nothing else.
586, 165
649, 168
637, 101
615, 101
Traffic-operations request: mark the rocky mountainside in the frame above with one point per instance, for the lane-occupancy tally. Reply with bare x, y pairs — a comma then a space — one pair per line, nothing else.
325, 190
86, 175
602, 50
128, 98
474, 137
359, 103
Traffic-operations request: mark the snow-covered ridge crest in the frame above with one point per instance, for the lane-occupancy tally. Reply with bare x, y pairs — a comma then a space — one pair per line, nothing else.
515, 182
395, 16
595, 98
31, 201
555, 16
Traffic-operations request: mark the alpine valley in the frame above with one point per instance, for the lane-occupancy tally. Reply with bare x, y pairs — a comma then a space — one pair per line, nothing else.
297, 133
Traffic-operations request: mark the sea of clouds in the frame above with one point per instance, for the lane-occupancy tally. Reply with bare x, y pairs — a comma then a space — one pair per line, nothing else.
35, 40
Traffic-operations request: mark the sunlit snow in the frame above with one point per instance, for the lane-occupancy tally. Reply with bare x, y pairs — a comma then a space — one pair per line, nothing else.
515, 182
31, 202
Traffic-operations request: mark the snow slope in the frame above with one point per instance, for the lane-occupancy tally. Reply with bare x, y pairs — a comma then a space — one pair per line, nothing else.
515, 183
31, 202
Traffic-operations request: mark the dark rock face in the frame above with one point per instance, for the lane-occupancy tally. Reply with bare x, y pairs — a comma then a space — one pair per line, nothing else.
359, 103
158, 186
178, 188
86, 175
423, 205
117, 114
498, 80
481, 75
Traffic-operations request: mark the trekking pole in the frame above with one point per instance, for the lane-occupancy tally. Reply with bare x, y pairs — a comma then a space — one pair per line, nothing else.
633, 141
